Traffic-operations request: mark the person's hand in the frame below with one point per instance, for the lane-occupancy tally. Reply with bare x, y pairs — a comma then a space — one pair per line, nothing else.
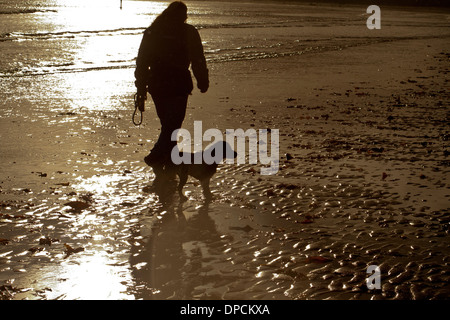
140, 100
142, 93
203, 88
141, 103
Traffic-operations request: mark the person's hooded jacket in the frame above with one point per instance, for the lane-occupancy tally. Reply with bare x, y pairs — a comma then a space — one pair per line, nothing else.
165, 54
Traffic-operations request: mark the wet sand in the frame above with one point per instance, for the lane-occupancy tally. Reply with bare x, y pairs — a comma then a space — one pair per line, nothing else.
362, 181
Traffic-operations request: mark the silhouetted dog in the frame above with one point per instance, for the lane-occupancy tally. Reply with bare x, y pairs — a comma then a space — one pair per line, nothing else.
203, 171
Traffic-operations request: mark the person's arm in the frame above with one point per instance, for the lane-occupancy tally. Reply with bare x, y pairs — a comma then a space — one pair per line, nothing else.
142, 65
198, 60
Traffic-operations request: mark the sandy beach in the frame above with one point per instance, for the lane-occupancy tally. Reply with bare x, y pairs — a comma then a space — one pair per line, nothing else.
363, 180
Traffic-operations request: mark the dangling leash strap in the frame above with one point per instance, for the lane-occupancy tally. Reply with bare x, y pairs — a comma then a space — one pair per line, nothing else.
140, 107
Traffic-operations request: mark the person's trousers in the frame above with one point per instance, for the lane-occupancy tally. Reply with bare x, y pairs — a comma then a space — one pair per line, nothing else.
171, 112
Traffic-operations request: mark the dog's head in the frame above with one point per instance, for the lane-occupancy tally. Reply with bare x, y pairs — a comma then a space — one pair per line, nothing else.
227, 151
223, 149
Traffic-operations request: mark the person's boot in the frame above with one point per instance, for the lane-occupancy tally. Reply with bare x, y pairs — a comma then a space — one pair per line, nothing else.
151, 160
158, 169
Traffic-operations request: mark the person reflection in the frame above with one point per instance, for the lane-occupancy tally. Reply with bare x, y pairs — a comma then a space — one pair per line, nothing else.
167, 50
170, 264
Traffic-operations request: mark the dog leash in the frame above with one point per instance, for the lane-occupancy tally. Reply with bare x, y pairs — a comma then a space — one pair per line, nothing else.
141, 108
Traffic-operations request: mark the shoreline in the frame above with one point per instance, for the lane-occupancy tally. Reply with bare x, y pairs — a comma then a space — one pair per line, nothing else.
398, 3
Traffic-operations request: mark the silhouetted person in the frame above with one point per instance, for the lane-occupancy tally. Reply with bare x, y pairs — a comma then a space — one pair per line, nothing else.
169, 46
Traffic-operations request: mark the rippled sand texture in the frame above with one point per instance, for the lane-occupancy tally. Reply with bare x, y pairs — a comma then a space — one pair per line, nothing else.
362, 181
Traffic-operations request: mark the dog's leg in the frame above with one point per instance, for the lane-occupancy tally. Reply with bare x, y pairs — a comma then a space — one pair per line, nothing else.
183, 175
206, 190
